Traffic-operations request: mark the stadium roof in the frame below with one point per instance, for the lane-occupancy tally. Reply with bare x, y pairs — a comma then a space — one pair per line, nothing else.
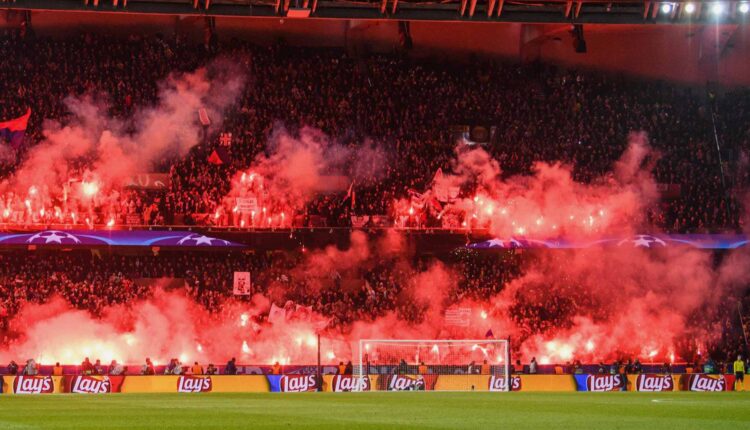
541, 11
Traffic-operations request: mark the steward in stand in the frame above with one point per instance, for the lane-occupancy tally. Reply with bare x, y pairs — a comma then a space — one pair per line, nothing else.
739, 374
231, 367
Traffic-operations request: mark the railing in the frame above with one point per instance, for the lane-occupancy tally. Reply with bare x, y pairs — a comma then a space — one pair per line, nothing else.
185, 227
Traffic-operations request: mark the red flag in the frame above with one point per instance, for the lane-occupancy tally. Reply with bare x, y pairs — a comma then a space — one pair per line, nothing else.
350, 194
14, 130
215, 159
203, 117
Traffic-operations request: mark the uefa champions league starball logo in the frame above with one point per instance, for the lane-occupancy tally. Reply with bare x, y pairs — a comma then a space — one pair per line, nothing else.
508, 243
57, 237
198, 239
643, 241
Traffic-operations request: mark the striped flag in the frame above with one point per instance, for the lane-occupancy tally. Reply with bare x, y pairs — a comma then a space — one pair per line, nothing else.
14, 130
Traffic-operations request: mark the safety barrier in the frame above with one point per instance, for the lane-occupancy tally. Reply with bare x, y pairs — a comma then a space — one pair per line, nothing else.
343, 383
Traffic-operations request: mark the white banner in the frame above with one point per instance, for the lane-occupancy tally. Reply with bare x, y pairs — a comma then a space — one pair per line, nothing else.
242, 285
247, 204
458, 317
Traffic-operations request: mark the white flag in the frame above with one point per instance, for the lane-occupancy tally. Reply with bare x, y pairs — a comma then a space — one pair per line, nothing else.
242, 285
277, 314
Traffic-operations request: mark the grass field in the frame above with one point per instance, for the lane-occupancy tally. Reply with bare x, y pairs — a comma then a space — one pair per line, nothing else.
578, 411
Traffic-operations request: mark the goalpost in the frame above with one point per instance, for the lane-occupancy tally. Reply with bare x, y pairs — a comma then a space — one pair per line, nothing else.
454, 365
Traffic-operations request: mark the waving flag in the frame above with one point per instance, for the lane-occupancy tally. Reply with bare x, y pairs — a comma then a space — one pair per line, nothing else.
13, 131
351, 195
219, 156
277, 314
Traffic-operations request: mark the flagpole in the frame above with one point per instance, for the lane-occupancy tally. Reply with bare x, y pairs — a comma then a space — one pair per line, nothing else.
318, 378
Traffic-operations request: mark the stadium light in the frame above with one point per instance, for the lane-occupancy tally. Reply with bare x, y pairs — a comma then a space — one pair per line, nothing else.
666, 8
717, 8
744, 7
689, 8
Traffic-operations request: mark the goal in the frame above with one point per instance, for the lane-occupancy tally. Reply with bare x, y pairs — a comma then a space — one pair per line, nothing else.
450, 365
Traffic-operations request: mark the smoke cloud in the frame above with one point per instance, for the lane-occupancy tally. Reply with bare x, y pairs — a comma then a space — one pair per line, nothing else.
102, 152
593, 304
547, 203
297, 168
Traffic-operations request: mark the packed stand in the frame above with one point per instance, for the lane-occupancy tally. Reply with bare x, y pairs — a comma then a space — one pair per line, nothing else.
95, 282
407, 106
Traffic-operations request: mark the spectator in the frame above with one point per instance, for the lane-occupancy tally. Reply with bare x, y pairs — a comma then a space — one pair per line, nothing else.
403, 368
533, 366
637, 367
31, 368
231, 367
148, 368
485, 368
87, 368
98, 368
115, 369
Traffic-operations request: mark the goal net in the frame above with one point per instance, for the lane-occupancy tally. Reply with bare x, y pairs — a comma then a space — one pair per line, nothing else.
451, 365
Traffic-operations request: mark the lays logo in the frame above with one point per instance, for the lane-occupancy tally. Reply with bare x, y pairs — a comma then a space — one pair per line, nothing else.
604, 382
406, 383
700, 382
297, 383
497, 383
649, 382
194, 384
84, 384
350, 383
33, 385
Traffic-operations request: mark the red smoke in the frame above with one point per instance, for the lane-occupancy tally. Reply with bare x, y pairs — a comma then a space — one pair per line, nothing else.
51, 187
295, 169
608, 303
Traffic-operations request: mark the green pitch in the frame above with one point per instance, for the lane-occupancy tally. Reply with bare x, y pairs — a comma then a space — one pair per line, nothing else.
483, 411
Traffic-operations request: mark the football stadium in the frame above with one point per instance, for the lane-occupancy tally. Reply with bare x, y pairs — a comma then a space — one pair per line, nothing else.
374, 214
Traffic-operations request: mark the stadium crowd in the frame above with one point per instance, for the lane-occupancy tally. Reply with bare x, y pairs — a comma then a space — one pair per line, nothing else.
94, 282
409, 107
